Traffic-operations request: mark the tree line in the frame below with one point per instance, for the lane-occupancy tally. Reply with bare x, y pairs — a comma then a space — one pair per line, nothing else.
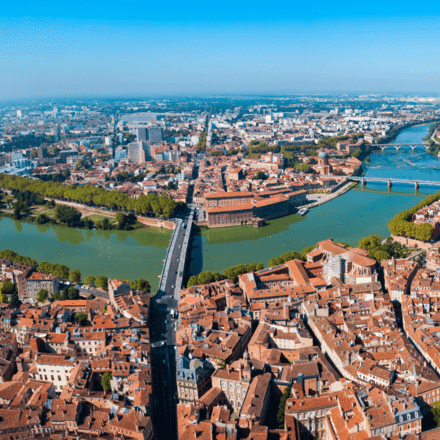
230, 273
373, 244
150, 204
74, 276
402, 225
201, 145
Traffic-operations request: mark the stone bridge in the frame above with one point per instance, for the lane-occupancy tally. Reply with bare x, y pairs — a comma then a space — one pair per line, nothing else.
390, 181
412, 145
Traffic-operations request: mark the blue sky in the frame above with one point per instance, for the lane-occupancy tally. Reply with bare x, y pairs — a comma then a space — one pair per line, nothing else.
100, 48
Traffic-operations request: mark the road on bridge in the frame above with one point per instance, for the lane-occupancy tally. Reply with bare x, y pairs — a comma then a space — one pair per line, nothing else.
163, 337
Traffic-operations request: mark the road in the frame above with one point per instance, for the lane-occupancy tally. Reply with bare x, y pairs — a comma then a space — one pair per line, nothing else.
163, 337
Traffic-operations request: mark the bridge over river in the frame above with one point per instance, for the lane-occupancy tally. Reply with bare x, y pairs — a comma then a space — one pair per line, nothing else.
390, 181
412, 145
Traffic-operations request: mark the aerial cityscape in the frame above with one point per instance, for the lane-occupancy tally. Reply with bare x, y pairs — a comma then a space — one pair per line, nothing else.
219, 222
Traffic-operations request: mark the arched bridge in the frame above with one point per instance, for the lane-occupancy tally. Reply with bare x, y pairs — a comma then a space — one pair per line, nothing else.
390, 181
412, 145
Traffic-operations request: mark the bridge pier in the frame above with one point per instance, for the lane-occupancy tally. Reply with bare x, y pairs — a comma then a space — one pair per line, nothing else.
397, 148
416, 185
383, 148
390, 184
363, 183
413, 148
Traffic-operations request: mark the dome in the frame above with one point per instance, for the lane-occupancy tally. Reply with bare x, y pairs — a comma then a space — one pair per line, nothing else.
322, 154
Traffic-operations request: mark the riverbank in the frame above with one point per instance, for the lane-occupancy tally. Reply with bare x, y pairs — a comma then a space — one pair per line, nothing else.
126, 255
324, 198
394, 132
91, 217
346, 219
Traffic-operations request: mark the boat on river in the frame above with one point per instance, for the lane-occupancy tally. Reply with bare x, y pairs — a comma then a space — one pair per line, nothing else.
303, 211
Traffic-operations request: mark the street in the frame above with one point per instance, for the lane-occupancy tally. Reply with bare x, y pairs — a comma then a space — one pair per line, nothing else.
163, 338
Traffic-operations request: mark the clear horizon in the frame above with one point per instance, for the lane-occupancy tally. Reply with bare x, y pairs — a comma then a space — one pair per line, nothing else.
77, 49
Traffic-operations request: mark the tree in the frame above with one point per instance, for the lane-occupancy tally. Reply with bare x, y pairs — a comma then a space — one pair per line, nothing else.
91, 296
3, 298
192, 281
42, 296
58, 270
81, 318
122, 220
106, 381
79, 164
282, 408
379, 256
101, 282
8, 288
15, 300
140, 284
259, 176
42, 219
233, 272
56, 296
90, 280
75, 276
17, 213
105, 223
73, 292
372, 241
67, 215
285, 257
435, 411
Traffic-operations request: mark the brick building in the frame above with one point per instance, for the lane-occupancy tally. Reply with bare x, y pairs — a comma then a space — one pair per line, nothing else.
40, 280
242, 207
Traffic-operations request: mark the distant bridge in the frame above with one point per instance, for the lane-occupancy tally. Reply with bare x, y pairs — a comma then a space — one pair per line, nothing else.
390, 181
412, 145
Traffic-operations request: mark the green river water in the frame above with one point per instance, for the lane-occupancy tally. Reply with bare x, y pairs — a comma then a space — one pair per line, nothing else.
347, 219
116, 254
140, 253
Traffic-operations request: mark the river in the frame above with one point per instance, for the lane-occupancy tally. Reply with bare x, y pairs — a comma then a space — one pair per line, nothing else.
347, 219
115, 254
139, 253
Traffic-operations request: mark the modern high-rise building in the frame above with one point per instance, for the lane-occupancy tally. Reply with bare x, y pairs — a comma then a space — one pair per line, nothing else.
136, 152
152, 134
19, 114
42, 153
142, 134
155, 134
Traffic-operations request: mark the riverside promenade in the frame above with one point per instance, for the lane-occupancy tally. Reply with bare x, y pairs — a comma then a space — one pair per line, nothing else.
316, 199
